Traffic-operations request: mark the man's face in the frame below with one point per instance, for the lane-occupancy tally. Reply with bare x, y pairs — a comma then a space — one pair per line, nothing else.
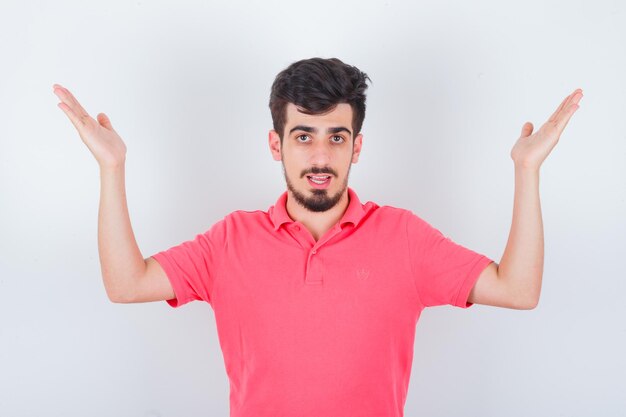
318, 145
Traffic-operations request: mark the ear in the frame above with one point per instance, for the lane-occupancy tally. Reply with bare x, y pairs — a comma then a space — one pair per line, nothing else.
274, 142
356, 151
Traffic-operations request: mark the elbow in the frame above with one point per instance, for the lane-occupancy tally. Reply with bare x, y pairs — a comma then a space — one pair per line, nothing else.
113, 297
116, 295
530, 303
520, 302
534, 297
526, 298
119, 299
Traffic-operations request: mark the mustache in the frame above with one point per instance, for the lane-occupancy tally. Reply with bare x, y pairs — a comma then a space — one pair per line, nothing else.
318, 171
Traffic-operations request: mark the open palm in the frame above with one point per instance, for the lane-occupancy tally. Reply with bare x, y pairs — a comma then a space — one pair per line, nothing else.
531, 149
99, 136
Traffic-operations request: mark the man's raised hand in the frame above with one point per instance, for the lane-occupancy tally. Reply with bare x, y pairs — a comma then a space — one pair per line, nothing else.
531, 149
99, 136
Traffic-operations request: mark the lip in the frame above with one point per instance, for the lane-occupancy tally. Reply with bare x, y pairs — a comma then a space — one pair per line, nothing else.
320, 186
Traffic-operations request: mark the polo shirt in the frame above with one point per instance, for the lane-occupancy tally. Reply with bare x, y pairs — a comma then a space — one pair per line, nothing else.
320, 328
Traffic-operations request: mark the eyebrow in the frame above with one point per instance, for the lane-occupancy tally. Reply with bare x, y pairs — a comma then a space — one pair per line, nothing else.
310, 129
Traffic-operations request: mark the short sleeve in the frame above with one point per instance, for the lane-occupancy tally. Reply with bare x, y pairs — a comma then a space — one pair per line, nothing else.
444, 271
192, 266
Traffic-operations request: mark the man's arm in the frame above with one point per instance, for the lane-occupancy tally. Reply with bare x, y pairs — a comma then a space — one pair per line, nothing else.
127, 276
516, 281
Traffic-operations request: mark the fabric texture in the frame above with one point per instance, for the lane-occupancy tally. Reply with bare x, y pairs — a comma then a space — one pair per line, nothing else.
320, 328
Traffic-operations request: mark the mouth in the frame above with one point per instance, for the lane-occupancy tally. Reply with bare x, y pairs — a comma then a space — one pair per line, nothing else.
319, 181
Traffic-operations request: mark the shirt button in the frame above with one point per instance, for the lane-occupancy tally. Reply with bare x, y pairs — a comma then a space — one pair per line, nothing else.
297, 228
314, 251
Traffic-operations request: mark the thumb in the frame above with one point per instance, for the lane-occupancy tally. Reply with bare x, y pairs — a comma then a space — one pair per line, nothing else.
104, 120
527, 129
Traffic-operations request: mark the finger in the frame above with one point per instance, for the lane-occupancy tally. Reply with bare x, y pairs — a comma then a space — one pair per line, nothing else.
71, 101
572, 105
61, 93
558, 110
527, 129
67, 97
104, 120
76, 121
566, 115
563, 105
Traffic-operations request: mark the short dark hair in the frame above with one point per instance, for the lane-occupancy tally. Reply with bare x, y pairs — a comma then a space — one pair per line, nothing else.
317, 85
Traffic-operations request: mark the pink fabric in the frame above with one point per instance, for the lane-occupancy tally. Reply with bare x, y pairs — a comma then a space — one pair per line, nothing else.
320, 328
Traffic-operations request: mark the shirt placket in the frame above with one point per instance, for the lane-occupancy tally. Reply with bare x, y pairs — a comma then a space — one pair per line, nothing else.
314, 271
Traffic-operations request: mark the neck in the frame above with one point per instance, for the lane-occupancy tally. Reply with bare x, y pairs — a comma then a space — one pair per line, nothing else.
318, 223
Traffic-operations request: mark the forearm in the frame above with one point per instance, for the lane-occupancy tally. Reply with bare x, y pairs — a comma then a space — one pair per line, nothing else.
120, 258
522, 262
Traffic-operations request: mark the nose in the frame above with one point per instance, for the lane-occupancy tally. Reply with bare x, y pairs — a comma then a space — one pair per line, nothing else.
320, 154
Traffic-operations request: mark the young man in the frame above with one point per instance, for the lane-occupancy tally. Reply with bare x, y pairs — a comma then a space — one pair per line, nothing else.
316, 299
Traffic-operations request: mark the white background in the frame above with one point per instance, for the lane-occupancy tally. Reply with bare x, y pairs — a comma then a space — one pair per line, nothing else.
186, 84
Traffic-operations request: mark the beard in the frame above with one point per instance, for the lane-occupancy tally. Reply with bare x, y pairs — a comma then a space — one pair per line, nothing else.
320, 200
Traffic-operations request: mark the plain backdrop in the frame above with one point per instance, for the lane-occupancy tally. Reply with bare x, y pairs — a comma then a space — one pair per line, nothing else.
186, 84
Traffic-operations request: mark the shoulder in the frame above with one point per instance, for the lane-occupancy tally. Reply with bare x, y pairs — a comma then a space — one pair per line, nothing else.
388, 212
243, 220
386, 217
401, 219
246, 216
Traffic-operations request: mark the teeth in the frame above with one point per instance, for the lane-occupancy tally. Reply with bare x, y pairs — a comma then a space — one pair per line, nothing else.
319, 180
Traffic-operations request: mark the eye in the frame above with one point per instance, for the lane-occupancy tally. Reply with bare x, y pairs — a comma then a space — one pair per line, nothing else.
301, 136
341, 140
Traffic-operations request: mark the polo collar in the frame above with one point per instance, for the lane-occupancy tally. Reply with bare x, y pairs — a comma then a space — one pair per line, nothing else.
353, 214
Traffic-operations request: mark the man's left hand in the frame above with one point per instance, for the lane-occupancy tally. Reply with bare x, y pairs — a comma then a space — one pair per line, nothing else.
531, 149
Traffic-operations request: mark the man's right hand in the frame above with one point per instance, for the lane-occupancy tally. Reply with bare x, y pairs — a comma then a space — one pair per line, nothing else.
99, 136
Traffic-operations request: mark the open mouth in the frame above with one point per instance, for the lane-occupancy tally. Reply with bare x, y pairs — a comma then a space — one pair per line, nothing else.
319, 181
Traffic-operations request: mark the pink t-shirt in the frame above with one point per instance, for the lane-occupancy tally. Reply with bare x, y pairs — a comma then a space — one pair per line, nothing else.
320, 328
